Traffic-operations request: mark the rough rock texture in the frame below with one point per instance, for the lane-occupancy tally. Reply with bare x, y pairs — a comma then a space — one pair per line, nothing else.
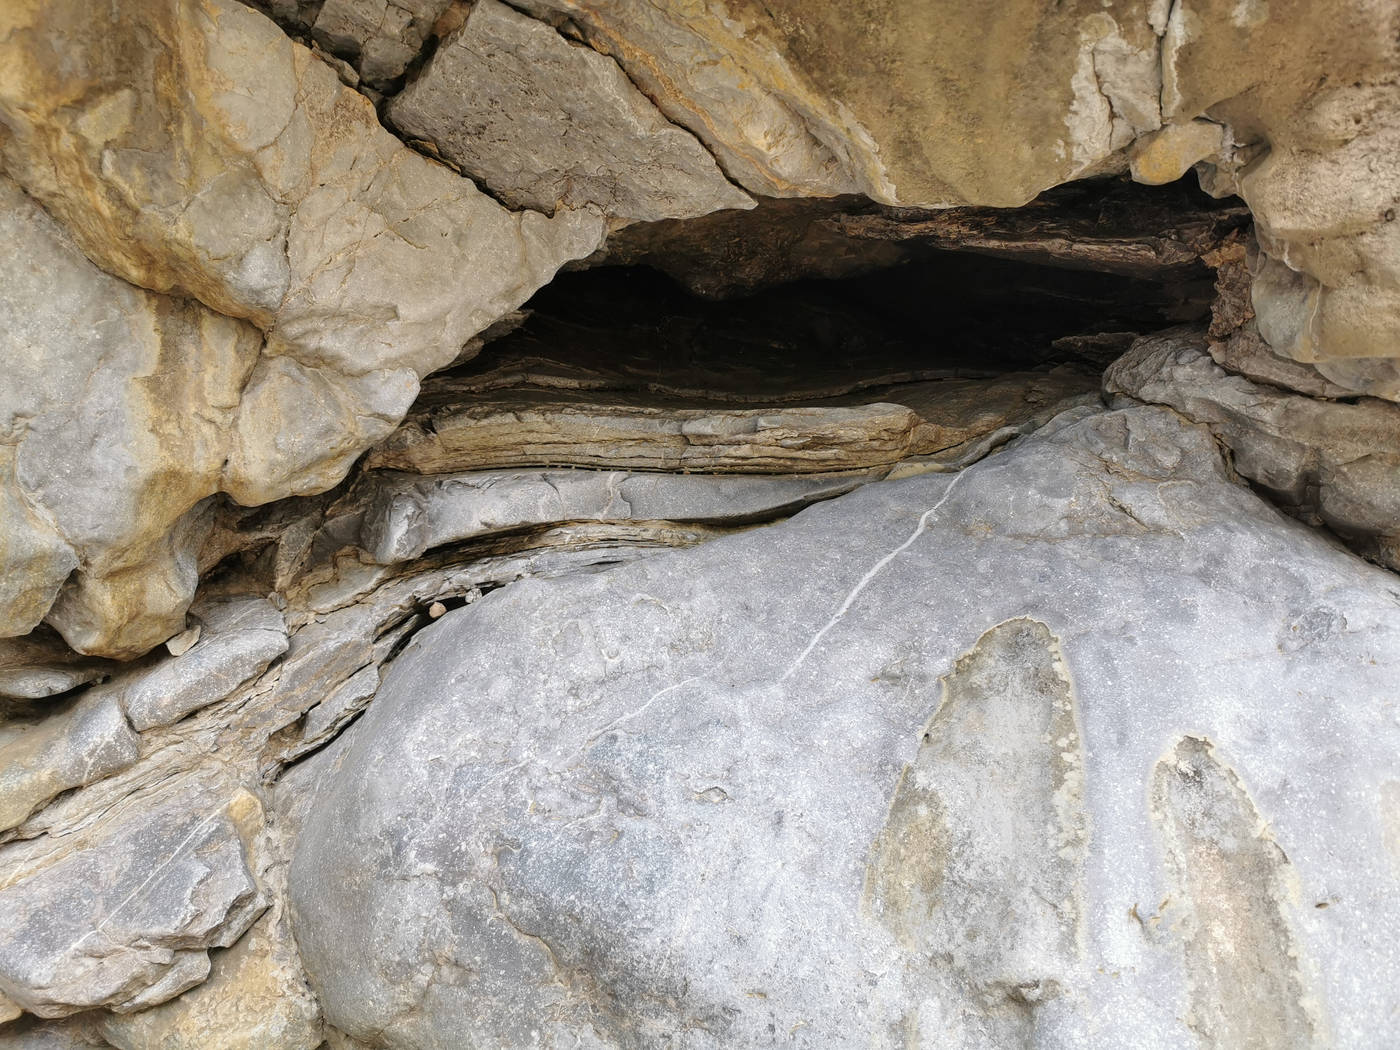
1291, 105
238, 639
1333, 463
255, 999
63, 749
543, 123
39, 665
242, 175
461, 428
721, 794
125, 922
407, 514
382, 36
401, 646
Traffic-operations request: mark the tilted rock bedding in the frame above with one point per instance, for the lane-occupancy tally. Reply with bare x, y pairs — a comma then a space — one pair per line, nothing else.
955, 607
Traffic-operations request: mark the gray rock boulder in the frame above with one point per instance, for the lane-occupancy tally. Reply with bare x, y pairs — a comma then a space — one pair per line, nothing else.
1083, 746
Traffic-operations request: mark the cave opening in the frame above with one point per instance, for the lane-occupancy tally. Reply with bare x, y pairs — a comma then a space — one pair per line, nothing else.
802, 301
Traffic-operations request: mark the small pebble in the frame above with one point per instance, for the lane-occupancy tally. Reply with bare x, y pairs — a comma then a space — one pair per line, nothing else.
436, 609
183, 642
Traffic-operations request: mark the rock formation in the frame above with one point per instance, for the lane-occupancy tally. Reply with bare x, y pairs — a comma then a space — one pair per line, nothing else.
736, 524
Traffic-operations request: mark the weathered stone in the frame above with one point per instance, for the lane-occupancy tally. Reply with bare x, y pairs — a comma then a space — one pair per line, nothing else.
66, 749
558, 431
1292, 106
407, 514
40, 665
1232, 881
239, 173
239, 638
1245, 353
254, 999
1332, 462
125, 920
718, 796
109, 486
382, 36
1168, 154
33, 1034
794, 98
543, 123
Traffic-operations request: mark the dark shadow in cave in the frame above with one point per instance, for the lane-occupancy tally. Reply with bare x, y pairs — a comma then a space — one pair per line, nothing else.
1067, 280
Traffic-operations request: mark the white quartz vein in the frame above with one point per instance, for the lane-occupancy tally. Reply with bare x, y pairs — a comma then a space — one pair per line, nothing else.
873, 572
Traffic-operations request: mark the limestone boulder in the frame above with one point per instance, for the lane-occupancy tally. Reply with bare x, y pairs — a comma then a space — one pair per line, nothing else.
1084, 745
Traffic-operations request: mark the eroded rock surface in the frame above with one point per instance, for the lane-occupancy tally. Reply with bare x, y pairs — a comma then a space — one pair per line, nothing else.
126, 921
1331, 462
609, 807
246, 178
546, 722
543, 122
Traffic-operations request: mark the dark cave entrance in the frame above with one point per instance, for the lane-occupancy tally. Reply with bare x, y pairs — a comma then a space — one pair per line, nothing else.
1067, 281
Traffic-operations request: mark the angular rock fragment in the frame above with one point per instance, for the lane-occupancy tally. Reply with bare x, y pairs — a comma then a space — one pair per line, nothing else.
718, 793
239, 638
543, 123
68, 749
381, 36
125, 921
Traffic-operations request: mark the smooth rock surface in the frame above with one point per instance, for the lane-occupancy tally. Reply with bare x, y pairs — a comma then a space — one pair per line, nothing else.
1083, 746
543, 123
126, 921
